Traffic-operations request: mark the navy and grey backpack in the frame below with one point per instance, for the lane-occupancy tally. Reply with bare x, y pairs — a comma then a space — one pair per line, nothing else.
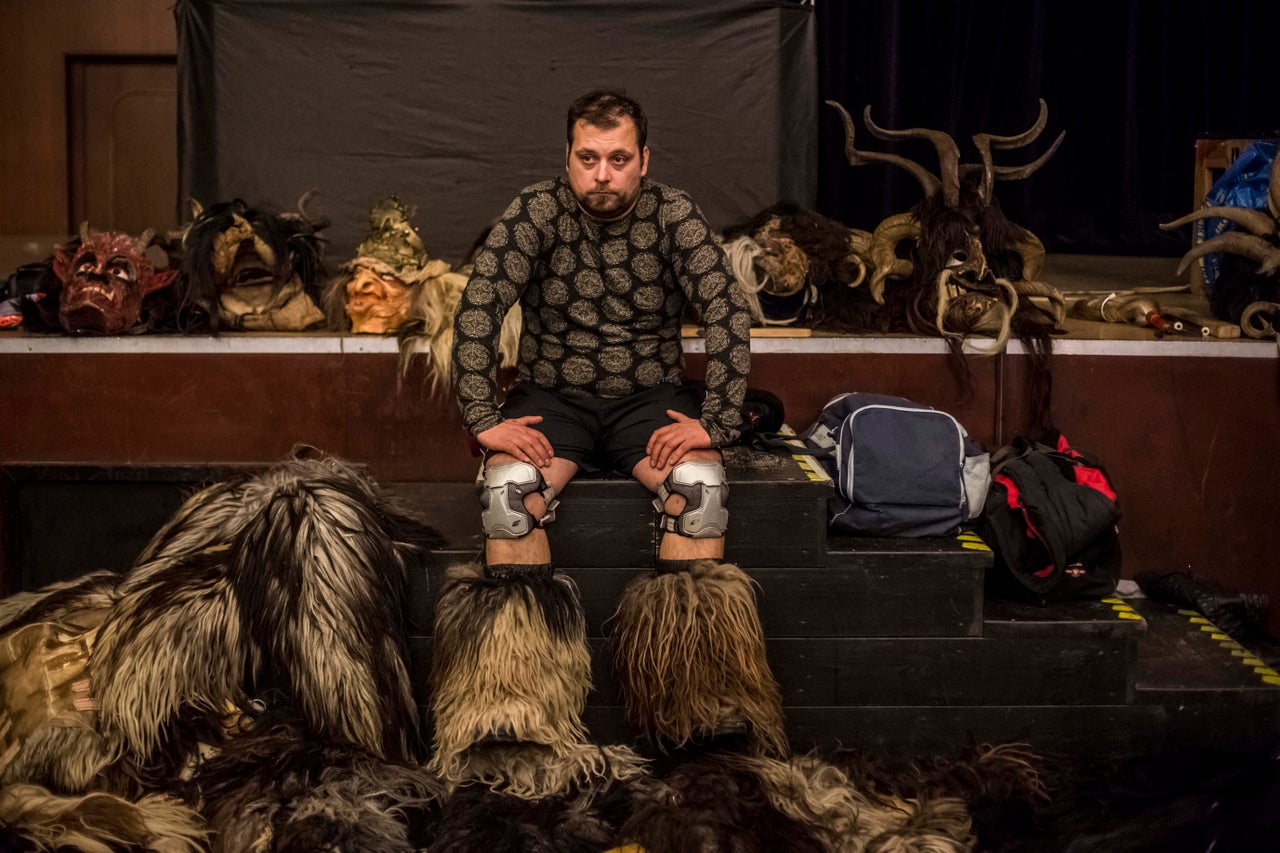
900, 468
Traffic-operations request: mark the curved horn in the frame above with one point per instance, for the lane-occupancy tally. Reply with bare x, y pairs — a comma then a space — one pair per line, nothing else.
84, 231
1031, 250
928, 181
1253, 221
986, 141
1258, 320
1254, 248
948, 153
303, 201
196, 208
1057, 303
883, 251
144, 240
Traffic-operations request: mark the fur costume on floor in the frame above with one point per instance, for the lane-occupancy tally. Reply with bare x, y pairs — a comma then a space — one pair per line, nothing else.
511, 665
49, 732
290, 582
709, 805
33, 819
297, 577
276, 788
689, 650
578, 820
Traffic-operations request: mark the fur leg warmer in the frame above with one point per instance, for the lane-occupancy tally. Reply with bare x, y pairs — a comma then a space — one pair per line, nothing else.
510, 659
689, 649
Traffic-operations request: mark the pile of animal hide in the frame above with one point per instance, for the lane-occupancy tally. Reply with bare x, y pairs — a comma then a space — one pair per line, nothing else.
245, 686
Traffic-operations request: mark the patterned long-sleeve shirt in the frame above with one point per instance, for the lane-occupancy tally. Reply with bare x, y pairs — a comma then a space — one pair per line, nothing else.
602, 304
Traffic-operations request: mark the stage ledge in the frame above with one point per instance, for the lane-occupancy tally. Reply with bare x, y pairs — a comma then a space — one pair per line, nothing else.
815, 344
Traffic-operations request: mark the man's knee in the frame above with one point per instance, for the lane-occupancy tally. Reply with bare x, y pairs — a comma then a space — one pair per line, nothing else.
515, 498
694, 497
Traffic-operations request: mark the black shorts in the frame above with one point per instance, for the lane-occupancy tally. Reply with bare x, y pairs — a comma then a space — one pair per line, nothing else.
601, 435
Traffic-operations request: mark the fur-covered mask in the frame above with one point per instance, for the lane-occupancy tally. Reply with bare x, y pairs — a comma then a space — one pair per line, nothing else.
251, 269
104, 279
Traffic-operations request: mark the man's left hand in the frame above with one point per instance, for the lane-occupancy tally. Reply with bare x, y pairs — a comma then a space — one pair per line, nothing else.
669, 444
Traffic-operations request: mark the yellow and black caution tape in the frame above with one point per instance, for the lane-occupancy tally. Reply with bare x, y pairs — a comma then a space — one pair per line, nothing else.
972, 542
1122, 609
1224, 640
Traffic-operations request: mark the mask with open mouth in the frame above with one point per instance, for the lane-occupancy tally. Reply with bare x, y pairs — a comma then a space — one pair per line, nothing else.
250, 269
102, 282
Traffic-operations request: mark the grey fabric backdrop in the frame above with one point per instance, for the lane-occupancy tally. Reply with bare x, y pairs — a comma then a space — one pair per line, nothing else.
455, 106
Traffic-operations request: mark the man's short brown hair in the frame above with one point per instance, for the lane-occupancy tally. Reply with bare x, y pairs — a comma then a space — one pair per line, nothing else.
604, 108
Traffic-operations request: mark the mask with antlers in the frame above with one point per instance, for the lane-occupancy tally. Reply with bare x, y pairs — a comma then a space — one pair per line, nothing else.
967, 264
97, 285
1241, 293
253, 270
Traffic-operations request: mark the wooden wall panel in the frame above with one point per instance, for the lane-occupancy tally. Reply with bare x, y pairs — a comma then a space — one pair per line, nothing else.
33, 111
1191, 446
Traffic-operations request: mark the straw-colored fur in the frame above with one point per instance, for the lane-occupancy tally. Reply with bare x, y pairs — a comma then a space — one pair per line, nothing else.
851, 820
510, 655
429, 333
98, 823
688, 646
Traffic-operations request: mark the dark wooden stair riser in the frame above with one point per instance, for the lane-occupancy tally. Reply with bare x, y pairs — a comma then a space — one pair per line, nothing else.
878, 599
859, 672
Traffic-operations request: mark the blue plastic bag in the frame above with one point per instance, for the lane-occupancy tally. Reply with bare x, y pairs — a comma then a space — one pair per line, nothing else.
1243, 184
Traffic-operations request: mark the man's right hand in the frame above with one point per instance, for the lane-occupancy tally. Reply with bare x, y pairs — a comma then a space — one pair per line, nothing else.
517, 437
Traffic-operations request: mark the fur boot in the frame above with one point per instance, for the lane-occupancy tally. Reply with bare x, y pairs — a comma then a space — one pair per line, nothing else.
511, 672
689, 650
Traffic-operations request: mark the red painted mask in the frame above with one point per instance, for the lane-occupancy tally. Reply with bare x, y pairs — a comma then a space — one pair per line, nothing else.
104, 281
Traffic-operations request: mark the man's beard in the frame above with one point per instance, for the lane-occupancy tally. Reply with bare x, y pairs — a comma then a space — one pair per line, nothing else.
607, 204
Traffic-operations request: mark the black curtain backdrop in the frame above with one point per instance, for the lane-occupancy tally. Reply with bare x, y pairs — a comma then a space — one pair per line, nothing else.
1132, 83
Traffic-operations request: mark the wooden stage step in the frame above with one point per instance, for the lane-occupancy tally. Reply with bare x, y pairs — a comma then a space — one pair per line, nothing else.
892, 645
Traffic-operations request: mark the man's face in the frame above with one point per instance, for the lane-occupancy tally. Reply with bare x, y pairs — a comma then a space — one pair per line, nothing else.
605, 166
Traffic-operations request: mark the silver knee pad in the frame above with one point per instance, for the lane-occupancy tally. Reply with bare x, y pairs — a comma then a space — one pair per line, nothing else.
706, 495
502, 492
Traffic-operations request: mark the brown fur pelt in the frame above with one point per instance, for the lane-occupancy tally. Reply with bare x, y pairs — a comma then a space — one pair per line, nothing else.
321, 574
510, 655
428, 332
580, 819
34, 819
709, 805
688, 647
852, 818
294, 578
278, 787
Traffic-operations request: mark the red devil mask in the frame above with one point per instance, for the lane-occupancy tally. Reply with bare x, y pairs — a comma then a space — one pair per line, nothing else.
104, 281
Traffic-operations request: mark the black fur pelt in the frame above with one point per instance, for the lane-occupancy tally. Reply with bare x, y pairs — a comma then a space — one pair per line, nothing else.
709, 806
477, 818
284, 787
1004, 786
